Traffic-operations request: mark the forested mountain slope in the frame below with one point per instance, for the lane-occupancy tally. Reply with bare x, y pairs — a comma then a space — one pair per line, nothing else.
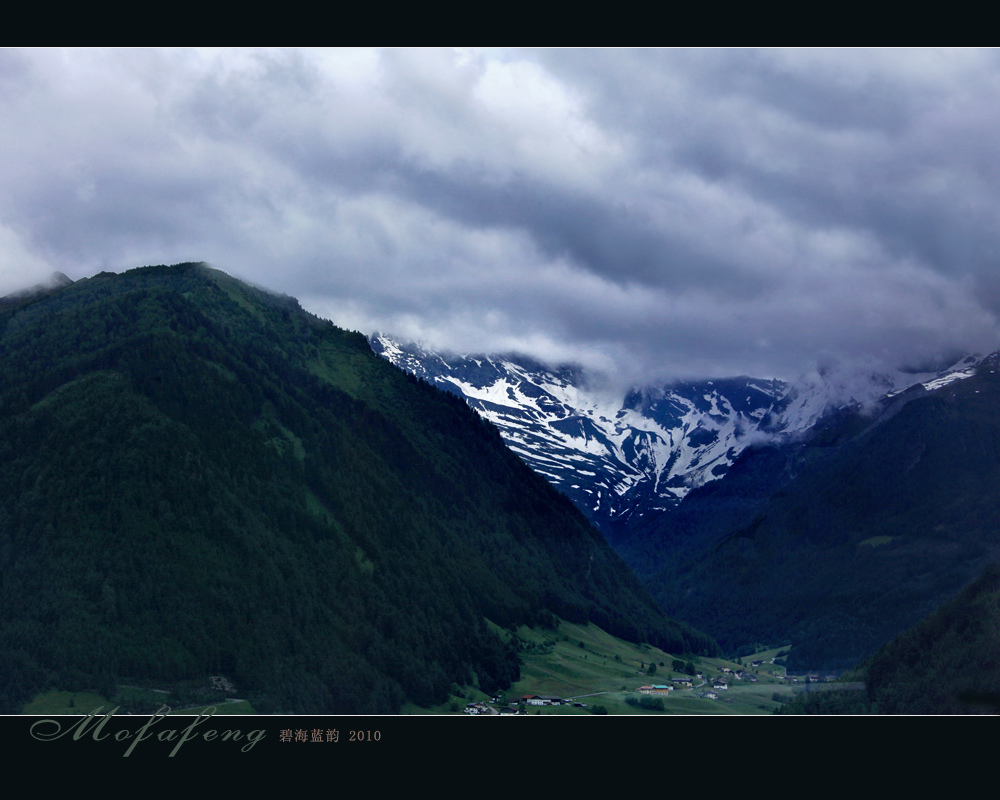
199, 478
948, 663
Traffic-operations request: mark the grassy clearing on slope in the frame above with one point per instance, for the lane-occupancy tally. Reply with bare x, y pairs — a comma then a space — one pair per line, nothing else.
55, 702
129, 699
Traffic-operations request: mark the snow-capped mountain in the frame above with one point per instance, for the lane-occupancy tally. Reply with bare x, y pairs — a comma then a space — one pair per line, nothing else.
617, 455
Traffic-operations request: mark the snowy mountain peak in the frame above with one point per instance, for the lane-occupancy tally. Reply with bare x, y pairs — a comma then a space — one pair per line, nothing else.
621, 454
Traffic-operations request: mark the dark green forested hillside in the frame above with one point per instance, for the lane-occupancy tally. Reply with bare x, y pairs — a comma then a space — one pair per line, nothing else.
199, 478
949, 663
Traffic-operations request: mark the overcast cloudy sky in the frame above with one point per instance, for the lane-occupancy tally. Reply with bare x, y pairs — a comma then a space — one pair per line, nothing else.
657, 212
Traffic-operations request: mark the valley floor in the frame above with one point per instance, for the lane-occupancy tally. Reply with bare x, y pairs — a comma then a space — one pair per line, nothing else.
592, 672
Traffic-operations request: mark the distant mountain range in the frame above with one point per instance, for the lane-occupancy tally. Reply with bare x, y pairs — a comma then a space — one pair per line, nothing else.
830, 514
621, 456
840, 539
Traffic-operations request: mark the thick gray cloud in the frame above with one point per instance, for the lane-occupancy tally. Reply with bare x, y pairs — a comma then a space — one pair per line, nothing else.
653, 213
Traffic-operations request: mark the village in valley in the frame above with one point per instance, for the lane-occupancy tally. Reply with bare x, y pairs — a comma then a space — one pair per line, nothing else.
581, 670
